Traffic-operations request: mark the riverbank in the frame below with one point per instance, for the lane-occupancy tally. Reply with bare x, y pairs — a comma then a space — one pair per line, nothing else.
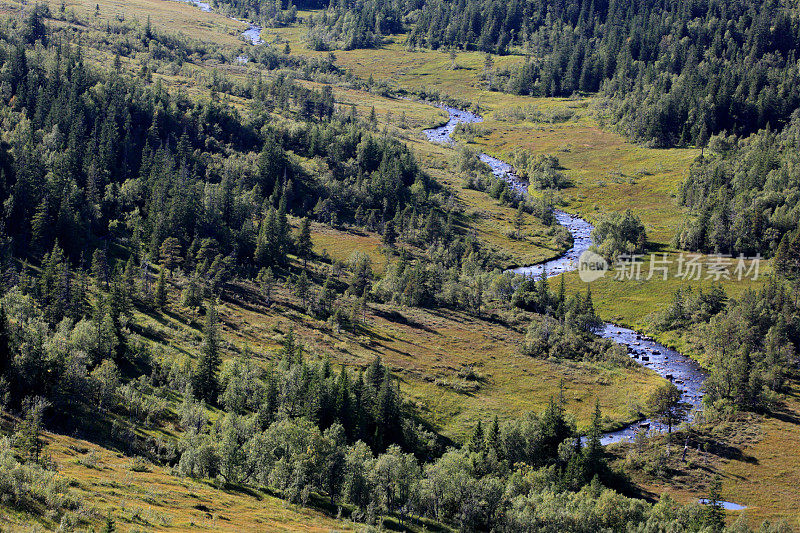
667, 363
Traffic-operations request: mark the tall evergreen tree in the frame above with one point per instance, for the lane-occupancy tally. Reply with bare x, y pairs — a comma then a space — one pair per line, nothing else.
303, 244
205, 380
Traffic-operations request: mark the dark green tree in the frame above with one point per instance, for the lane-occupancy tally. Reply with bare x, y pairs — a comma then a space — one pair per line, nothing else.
303, 244
205, 382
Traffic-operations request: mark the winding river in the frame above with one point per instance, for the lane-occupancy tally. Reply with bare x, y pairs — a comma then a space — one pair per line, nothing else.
676, 367
252, 34
669, 364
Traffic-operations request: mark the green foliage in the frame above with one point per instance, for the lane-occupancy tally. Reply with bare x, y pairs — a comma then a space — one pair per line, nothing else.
205, 384
266, 283
266, 12
715, 514
665, 404
303, 244
341, 26
28, 437
165, 190
542, 171
688, 307
161, 290
619, 235
742, 197
27, 486
750, 342
752, 345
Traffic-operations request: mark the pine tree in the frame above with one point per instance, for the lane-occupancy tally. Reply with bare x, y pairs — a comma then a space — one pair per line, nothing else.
389, 234
343, 405
6, 360
265, 248
41, 228
100, 268
476, 441
282, 235
715, 514
303, 244
787, 258
493, 436
519, 220
594, 449
204, 382
327, 295
54, 286
28, 436
161, 290
266, 283
170, 253
129, 281
301, 287
291, 349
192, 295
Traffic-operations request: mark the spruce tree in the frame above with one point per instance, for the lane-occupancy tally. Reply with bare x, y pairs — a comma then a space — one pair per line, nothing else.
715, 514
594, 449
477, 440
161, 290
266, 284
389, 234
303, 244
204, 382
100, 269
301, 287
170, 253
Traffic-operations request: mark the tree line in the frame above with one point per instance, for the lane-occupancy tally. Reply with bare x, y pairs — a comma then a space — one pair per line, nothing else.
751, 342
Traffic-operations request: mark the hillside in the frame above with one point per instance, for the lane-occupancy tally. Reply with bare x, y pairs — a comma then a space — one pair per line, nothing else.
242, 290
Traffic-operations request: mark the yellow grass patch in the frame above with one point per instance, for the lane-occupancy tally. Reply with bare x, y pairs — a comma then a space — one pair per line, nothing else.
156, 500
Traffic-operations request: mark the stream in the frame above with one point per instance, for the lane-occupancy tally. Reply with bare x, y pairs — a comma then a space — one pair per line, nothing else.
252, 34
669, 364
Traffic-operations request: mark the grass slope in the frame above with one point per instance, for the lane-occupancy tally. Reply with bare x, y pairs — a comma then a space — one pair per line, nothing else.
156, 500
752, 454
456, 368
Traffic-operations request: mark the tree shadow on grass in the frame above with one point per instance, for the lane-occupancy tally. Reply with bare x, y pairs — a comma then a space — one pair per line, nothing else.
784, 414
399, 318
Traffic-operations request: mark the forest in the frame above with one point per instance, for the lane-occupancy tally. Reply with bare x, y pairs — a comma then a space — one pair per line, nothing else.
700, 68
131, 203
714, 74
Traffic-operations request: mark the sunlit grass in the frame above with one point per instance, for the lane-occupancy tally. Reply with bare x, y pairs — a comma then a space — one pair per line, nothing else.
157, 500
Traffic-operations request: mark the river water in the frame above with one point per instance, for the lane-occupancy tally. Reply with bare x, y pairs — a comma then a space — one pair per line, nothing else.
669, 364
252, 34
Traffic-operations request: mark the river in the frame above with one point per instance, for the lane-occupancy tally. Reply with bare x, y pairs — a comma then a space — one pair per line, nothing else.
669, 364
252, 34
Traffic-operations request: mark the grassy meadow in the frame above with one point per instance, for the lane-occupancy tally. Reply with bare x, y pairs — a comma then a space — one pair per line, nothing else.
454, 367
140, 496
752, 455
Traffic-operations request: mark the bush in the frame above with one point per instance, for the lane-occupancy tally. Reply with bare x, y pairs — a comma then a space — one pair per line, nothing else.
27, 486
618, 235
